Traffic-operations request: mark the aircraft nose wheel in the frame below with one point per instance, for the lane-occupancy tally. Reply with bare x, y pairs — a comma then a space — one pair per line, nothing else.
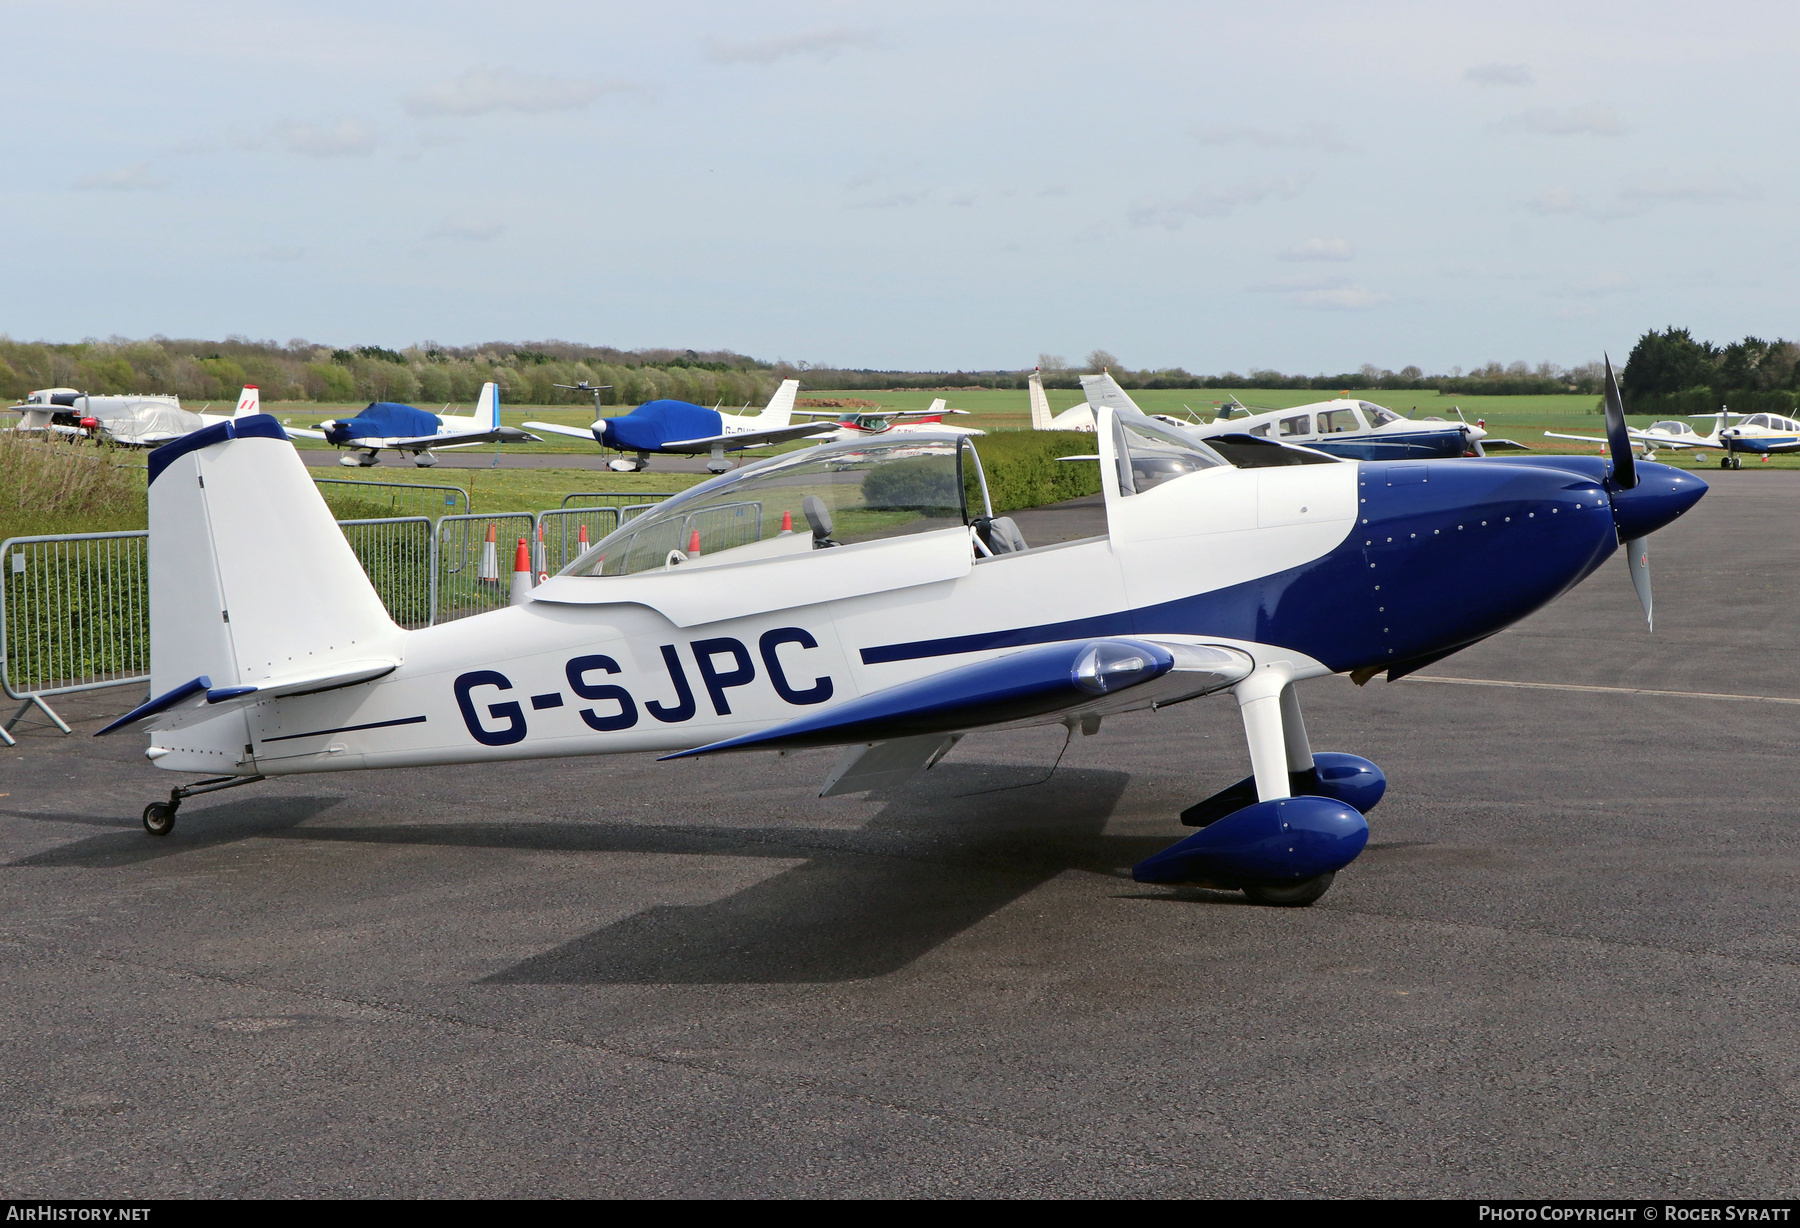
1290, 895
159, 818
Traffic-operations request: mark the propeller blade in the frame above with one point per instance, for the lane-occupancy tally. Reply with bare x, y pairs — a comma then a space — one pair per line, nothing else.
1637, 556
1618, 442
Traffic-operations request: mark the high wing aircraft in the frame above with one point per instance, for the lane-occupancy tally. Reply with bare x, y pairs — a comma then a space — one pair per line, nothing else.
867, 423
1079, 418
903, 616
666, 427
403, 428
131, 420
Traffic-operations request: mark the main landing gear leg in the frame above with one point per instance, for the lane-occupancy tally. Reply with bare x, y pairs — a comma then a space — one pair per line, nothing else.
159, 817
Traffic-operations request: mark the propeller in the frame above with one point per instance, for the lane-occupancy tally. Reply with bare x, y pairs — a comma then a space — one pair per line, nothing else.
1625, 476
1618, 442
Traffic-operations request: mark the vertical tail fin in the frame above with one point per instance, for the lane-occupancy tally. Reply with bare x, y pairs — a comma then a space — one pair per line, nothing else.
251, 580
249, 402
1103, 389
487, 407
780, 409
1040, 404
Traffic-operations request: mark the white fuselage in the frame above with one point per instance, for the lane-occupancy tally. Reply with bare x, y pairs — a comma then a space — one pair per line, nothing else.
534, 680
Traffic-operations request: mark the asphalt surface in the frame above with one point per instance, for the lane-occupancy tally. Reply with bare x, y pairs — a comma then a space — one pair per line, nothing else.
1568, 963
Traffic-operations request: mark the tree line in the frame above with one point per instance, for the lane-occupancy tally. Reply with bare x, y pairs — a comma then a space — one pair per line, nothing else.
1672, 373
1667, 372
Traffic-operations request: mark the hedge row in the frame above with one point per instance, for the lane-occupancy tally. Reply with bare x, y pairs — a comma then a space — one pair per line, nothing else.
1022, 469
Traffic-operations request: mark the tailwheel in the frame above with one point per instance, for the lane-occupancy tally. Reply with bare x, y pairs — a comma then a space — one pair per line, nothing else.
159, 818
1290, 895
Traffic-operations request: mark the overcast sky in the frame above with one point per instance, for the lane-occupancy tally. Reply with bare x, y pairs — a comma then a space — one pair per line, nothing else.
1307, 186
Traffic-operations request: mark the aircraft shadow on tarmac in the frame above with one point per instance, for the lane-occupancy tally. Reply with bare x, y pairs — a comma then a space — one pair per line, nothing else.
946, 851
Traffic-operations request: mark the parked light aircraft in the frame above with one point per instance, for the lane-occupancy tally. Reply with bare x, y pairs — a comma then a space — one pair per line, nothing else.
132, 421
1361, 430
902, 617
667, 427
1764, 434
867, 423
403, 428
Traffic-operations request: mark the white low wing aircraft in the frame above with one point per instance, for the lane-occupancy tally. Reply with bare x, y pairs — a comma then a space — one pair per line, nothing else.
665, 427
132, 421
404, 428
1079, 418
901, 617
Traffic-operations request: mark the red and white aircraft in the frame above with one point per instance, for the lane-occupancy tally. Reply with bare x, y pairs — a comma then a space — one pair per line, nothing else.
864, 423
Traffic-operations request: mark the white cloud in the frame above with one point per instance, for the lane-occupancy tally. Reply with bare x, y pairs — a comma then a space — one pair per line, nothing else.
1322, 137
963, 200
1556, 200
1599, 287
333, 139
133, 178
1215, 202
1590, 120
892, 200
824, 44
468, 230
1498, 74
1323, 293
1320, 249
481, 91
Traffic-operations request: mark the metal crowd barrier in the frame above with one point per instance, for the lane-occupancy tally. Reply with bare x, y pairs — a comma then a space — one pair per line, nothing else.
75, 608
472, 577
400, 556
74, 616
402, 499
639, 499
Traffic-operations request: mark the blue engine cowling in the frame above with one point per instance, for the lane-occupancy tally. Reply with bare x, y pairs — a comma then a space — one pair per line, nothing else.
1284, 840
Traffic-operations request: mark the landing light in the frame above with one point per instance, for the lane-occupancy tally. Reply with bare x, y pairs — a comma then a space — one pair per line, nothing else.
1108, 667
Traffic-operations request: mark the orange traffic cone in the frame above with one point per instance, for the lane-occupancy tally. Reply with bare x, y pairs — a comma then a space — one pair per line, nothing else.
540, 564
488, 570
581, 541
787, 522
521, 580
693, 550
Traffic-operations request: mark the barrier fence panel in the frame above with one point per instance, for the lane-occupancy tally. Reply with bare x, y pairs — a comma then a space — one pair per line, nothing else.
562, 532
74, 616
391, 499
634, 498
471, 578
724, 526
397, 555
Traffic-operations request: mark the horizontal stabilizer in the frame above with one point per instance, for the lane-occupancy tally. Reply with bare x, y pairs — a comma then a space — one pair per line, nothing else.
179, 705
1035, 686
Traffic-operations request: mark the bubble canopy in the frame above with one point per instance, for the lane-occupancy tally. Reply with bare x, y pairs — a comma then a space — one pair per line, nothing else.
814, 498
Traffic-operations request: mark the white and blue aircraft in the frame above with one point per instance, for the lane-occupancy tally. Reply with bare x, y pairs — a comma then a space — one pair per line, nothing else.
1361, 430
666, 427
404, 428
903, 617
131, 420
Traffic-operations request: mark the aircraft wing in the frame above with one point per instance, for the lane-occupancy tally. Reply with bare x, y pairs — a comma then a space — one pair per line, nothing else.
461, 439
1651, 441
1043, 685
1505, 445
303, 432
874, 413
749, 439
573, 432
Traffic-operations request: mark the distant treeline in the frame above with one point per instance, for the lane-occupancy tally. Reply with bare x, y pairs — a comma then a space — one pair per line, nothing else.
1667, 372
1671, 373
425, 374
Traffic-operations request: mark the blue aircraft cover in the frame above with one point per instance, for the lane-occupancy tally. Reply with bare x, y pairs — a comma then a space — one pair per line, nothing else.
386, 420
654, 423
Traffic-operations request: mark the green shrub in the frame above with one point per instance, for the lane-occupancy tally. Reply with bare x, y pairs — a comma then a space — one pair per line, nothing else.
921, 483
1022, 469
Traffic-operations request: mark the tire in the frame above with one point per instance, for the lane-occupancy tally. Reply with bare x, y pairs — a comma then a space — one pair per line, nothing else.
1290, 895
159, 818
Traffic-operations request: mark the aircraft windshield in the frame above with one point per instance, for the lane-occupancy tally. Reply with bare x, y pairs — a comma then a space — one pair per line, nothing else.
1672, 428
1150, 454
831, 495
1376, 415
